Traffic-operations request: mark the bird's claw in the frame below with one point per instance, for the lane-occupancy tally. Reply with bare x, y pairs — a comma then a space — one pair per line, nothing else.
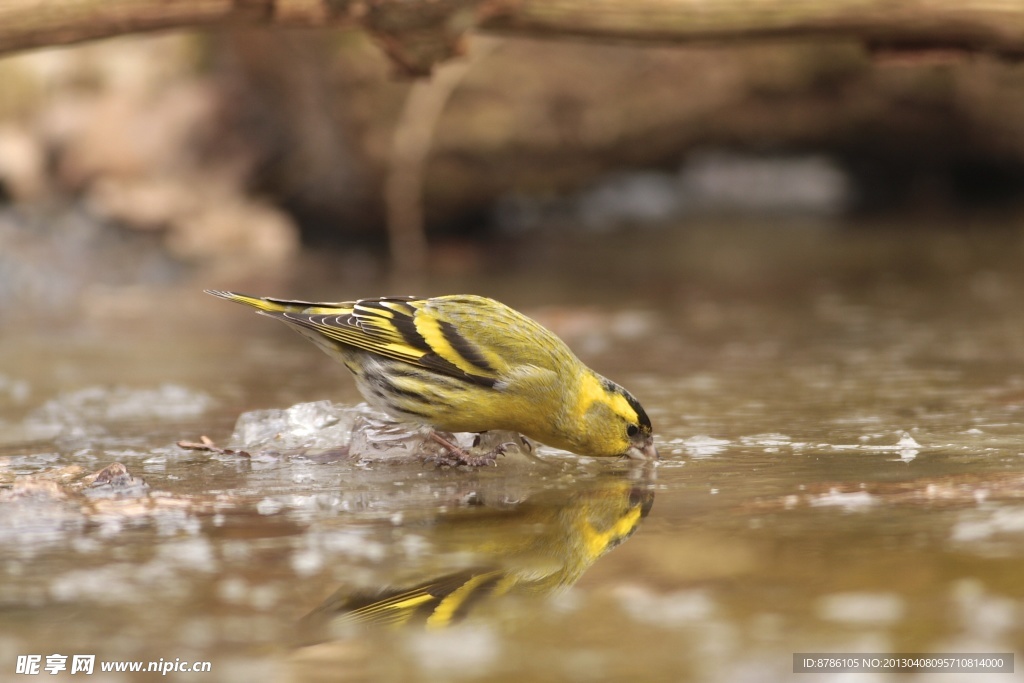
452, 455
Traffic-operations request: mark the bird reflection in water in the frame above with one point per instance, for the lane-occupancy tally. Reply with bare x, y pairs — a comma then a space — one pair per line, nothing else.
535, 547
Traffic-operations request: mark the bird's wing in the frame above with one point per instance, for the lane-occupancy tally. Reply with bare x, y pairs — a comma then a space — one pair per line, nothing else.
439, 602
402, 328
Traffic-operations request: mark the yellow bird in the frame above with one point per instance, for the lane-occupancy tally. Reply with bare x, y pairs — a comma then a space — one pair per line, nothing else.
467, 363
537, 547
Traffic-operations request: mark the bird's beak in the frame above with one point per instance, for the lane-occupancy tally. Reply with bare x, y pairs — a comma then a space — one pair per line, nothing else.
645, 452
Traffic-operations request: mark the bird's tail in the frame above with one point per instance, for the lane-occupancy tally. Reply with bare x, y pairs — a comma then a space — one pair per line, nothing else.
270, 305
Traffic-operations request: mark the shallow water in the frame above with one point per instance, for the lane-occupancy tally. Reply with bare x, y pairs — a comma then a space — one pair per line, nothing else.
840, 415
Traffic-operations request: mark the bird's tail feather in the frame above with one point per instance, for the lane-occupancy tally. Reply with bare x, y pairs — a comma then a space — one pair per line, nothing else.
270, 305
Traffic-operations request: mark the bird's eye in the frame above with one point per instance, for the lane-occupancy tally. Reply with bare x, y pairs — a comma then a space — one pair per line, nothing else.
632, 430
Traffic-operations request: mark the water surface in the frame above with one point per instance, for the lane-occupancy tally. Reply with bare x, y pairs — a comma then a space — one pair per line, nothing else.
839, 414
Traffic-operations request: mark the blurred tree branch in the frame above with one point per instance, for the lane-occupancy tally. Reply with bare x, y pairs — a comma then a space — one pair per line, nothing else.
418, 35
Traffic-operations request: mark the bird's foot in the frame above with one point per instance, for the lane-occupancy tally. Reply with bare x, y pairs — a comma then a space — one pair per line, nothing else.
452, 455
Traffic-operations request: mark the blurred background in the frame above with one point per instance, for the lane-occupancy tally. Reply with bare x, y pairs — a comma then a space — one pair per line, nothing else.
142, 159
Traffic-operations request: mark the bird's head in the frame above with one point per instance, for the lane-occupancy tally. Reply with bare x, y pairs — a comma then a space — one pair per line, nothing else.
614, 423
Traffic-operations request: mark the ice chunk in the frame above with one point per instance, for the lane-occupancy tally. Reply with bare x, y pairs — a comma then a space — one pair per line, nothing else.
849, 501
269, 506
359, 433
320, 424
772, 439
114, 480
704, 446
907, 441
508, 443
906, 447
376, 438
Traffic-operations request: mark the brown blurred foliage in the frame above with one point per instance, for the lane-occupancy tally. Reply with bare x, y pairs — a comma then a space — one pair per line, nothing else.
225, 144
544, 117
